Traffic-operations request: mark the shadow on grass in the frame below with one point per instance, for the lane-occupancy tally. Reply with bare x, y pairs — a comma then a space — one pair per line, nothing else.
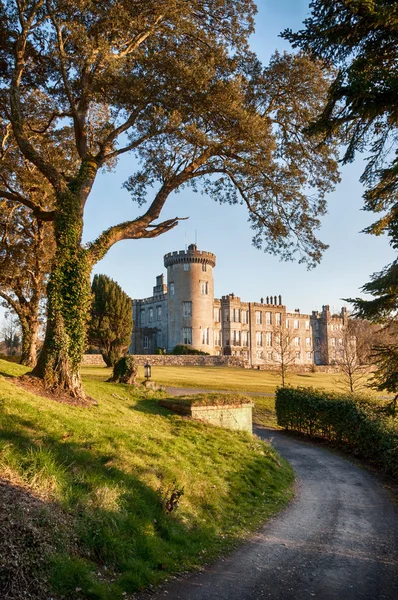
117, 521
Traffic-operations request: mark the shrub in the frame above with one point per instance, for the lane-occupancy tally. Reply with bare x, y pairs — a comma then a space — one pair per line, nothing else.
357, 424
125, 370
182, 349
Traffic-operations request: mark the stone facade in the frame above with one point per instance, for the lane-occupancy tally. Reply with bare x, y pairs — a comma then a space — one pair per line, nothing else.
184, 311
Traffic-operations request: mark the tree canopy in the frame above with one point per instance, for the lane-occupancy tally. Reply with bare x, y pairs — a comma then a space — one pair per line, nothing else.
360, 40
174, 84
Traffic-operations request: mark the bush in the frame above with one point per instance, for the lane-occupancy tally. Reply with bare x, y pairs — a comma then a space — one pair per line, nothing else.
354, 423
125, 370
182, 349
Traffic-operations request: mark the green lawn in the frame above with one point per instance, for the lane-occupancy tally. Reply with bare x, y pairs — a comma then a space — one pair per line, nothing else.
234, 379
104, 476
226, 378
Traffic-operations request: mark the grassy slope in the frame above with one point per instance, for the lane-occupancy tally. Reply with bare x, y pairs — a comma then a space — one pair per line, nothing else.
109, 470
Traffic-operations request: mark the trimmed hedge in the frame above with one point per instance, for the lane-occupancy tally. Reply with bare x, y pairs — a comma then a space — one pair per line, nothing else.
356, 424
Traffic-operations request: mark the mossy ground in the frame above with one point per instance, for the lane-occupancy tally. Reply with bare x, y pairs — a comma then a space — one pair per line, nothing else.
103, 476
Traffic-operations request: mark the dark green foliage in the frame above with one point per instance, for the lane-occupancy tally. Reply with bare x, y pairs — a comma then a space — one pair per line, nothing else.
125, 370
182, 349
111, 319
360, 39
357, 424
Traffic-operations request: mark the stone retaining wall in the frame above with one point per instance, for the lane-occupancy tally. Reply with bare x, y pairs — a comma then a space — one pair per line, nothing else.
173, 360
207, 361
232, 416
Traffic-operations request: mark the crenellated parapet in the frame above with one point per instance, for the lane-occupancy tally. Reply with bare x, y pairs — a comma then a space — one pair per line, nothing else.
192, 255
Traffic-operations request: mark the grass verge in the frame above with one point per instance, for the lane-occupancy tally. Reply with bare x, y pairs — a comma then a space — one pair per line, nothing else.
102, 480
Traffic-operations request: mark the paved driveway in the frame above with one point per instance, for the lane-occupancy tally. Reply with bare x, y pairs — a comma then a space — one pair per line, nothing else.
338, 539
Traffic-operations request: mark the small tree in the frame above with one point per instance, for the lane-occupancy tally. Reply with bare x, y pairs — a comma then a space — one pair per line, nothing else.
349, 351
10, 333
111, 319
285, 355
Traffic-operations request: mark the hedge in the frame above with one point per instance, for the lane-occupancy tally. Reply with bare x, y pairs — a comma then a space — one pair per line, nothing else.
356, 424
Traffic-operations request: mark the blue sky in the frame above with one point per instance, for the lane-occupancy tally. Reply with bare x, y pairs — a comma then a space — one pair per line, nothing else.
249, 273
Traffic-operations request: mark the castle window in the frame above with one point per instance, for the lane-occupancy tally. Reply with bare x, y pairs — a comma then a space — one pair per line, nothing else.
187, 335
287, 323
216, 315
206, 336
278, 319
258, 317
317, 342
317, 357
217, 338
297, 355
297, 341
244, 316
308, 341
186, 266
204, 287
317, 325
204, 267
268, 318
278, 339
259, 338
145, 342
142, 315
309, 355
244, 336
171, 288
226, 314
340, 341
333, 342
187, 309
268, 338
296, 324
269, 356
151, 315
159, 313
235, 337
307, 325
235, 315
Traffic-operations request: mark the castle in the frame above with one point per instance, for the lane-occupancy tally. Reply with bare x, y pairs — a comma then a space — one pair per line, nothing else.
185, 312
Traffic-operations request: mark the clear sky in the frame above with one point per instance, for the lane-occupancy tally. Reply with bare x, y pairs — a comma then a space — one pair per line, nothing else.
241, 269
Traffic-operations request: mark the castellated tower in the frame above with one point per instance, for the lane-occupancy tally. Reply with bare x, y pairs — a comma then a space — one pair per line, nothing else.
190, 288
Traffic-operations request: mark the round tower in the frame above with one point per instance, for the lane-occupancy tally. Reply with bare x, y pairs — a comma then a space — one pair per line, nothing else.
190, 293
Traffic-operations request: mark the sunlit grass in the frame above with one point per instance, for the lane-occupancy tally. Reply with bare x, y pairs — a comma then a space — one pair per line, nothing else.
112, 467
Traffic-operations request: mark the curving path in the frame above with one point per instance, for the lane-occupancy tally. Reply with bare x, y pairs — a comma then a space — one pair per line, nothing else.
338, 540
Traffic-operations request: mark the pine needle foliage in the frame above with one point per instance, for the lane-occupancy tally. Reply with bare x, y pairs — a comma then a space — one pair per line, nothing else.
111, 322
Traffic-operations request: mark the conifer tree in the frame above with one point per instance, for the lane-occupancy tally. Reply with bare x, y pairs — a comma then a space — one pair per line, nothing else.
111, 322
360, 40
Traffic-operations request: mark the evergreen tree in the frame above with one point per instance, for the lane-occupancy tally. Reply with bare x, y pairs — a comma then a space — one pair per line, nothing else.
111, 322
360, 39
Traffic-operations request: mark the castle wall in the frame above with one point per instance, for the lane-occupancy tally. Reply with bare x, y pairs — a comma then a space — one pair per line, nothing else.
262, 334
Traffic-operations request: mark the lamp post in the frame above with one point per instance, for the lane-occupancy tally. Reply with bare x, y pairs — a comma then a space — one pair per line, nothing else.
147, 371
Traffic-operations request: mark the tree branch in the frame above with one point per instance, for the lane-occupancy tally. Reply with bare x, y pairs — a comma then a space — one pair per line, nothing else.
39, 213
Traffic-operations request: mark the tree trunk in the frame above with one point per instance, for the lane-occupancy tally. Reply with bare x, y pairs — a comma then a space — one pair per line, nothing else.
30, 332
69, 300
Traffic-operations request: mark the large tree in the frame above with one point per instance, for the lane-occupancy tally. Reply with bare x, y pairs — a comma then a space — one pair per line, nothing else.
111, 319
26, 250
360, 39
174, 83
